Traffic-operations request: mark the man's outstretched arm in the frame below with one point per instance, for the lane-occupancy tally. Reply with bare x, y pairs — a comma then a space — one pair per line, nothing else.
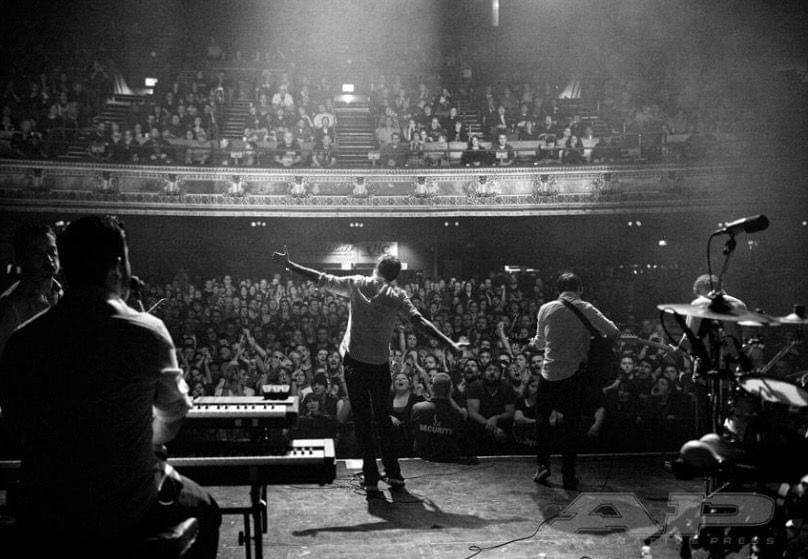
283, 258
421, 322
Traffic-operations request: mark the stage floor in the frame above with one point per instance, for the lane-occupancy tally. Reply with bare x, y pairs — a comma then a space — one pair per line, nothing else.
449, 508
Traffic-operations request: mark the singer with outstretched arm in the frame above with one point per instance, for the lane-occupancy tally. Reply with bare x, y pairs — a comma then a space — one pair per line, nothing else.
375, 304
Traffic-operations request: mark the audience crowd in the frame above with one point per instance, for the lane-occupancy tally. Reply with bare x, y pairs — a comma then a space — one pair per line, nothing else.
291, 120
235, 336
46, 104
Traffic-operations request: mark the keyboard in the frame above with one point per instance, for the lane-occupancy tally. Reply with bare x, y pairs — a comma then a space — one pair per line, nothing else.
225, 412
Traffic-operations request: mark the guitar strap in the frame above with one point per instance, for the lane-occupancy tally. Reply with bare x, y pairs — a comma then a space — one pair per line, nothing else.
594, 332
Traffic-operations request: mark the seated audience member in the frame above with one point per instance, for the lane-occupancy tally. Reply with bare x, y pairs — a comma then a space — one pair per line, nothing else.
125, 151
326, 128
502, 152
402, 399
199, 150
458, 132
325, 153
384, 134
624, 423
490, 403
288, 152
573, 151
548, 152
323, 113
524, 417
320, 402
500, 123
26, 142
157, 150
548, 127
439, 424
395, 153
475, 155
435, 131
588, 142
528, 132
255, 123
303, 131
319, 409
666, 416
98, 148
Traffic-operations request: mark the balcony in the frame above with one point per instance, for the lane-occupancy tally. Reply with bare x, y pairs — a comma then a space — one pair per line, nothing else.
35, 185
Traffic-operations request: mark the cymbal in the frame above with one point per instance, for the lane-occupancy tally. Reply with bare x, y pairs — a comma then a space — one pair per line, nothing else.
743, 317
792, 318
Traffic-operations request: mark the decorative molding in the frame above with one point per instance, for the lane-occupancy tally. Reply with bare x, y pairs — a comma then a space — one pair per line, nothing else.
178, 190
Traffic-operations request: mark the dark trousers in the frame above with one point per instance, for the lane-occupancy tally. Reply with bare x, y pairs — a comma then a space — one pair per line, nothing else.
192, 500
34, 537
369, 392
562, 396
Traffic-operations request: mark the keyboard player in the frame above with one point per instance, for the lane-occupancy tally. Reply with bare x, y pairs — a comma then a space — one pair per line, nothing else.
87, 389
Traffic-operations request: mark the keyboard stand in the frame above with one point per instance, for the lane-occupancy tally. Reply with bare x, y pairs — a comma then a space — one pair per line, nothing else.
255, 521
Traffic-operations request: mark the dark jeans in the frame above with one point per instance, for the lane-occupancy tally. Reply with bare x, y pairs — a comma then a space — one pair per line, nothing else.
564, 397
33, 536
192, 500
369, 393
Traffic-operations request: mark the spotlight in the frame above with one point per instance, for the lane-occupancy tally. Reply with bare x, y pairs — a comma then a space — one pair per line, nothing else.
457, 224
639, 223
630, 223
446, 224
151, 82
663, 243
805, 223
347, 88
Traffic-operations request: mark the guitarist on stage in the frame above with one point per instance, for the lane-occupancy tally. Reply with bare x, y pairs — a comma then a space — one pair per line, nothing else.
563, 336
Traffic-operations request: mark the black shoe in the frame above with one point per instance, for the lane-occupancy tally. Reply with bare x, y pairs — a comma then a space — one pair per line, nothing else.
541, 475
570, 484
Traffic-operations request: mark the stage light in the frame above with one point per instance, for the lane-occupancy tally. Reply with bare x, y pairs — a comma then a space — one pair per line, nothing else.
630, 223
663, 243
639, 223
347, 88
805, 223
457, 224
151, 82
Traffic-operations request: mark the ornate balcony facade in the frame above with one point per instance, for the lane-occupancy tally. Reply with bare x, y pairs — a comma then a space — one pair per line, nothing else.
45, 186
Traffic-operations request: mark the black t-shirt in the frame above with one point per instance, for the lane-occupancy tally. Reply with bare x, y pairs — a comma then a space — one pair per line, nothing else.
437, 428
491, 404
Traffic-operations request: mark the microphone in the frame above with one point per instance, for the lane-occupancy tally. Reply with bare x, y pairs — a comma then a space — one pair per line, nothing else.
751, 224
136, 284
135, 288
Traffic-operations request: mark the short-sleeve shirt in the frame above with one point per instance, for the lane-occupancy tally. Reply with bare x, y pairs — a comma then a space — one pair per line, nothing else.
373, 315
491, 404
436, 429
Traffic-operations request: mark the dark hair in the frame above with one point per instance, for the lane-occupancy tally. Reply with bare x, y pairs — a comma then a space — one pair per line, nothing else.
25, 234
568, 282
389, 266
320, 379
89, 247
